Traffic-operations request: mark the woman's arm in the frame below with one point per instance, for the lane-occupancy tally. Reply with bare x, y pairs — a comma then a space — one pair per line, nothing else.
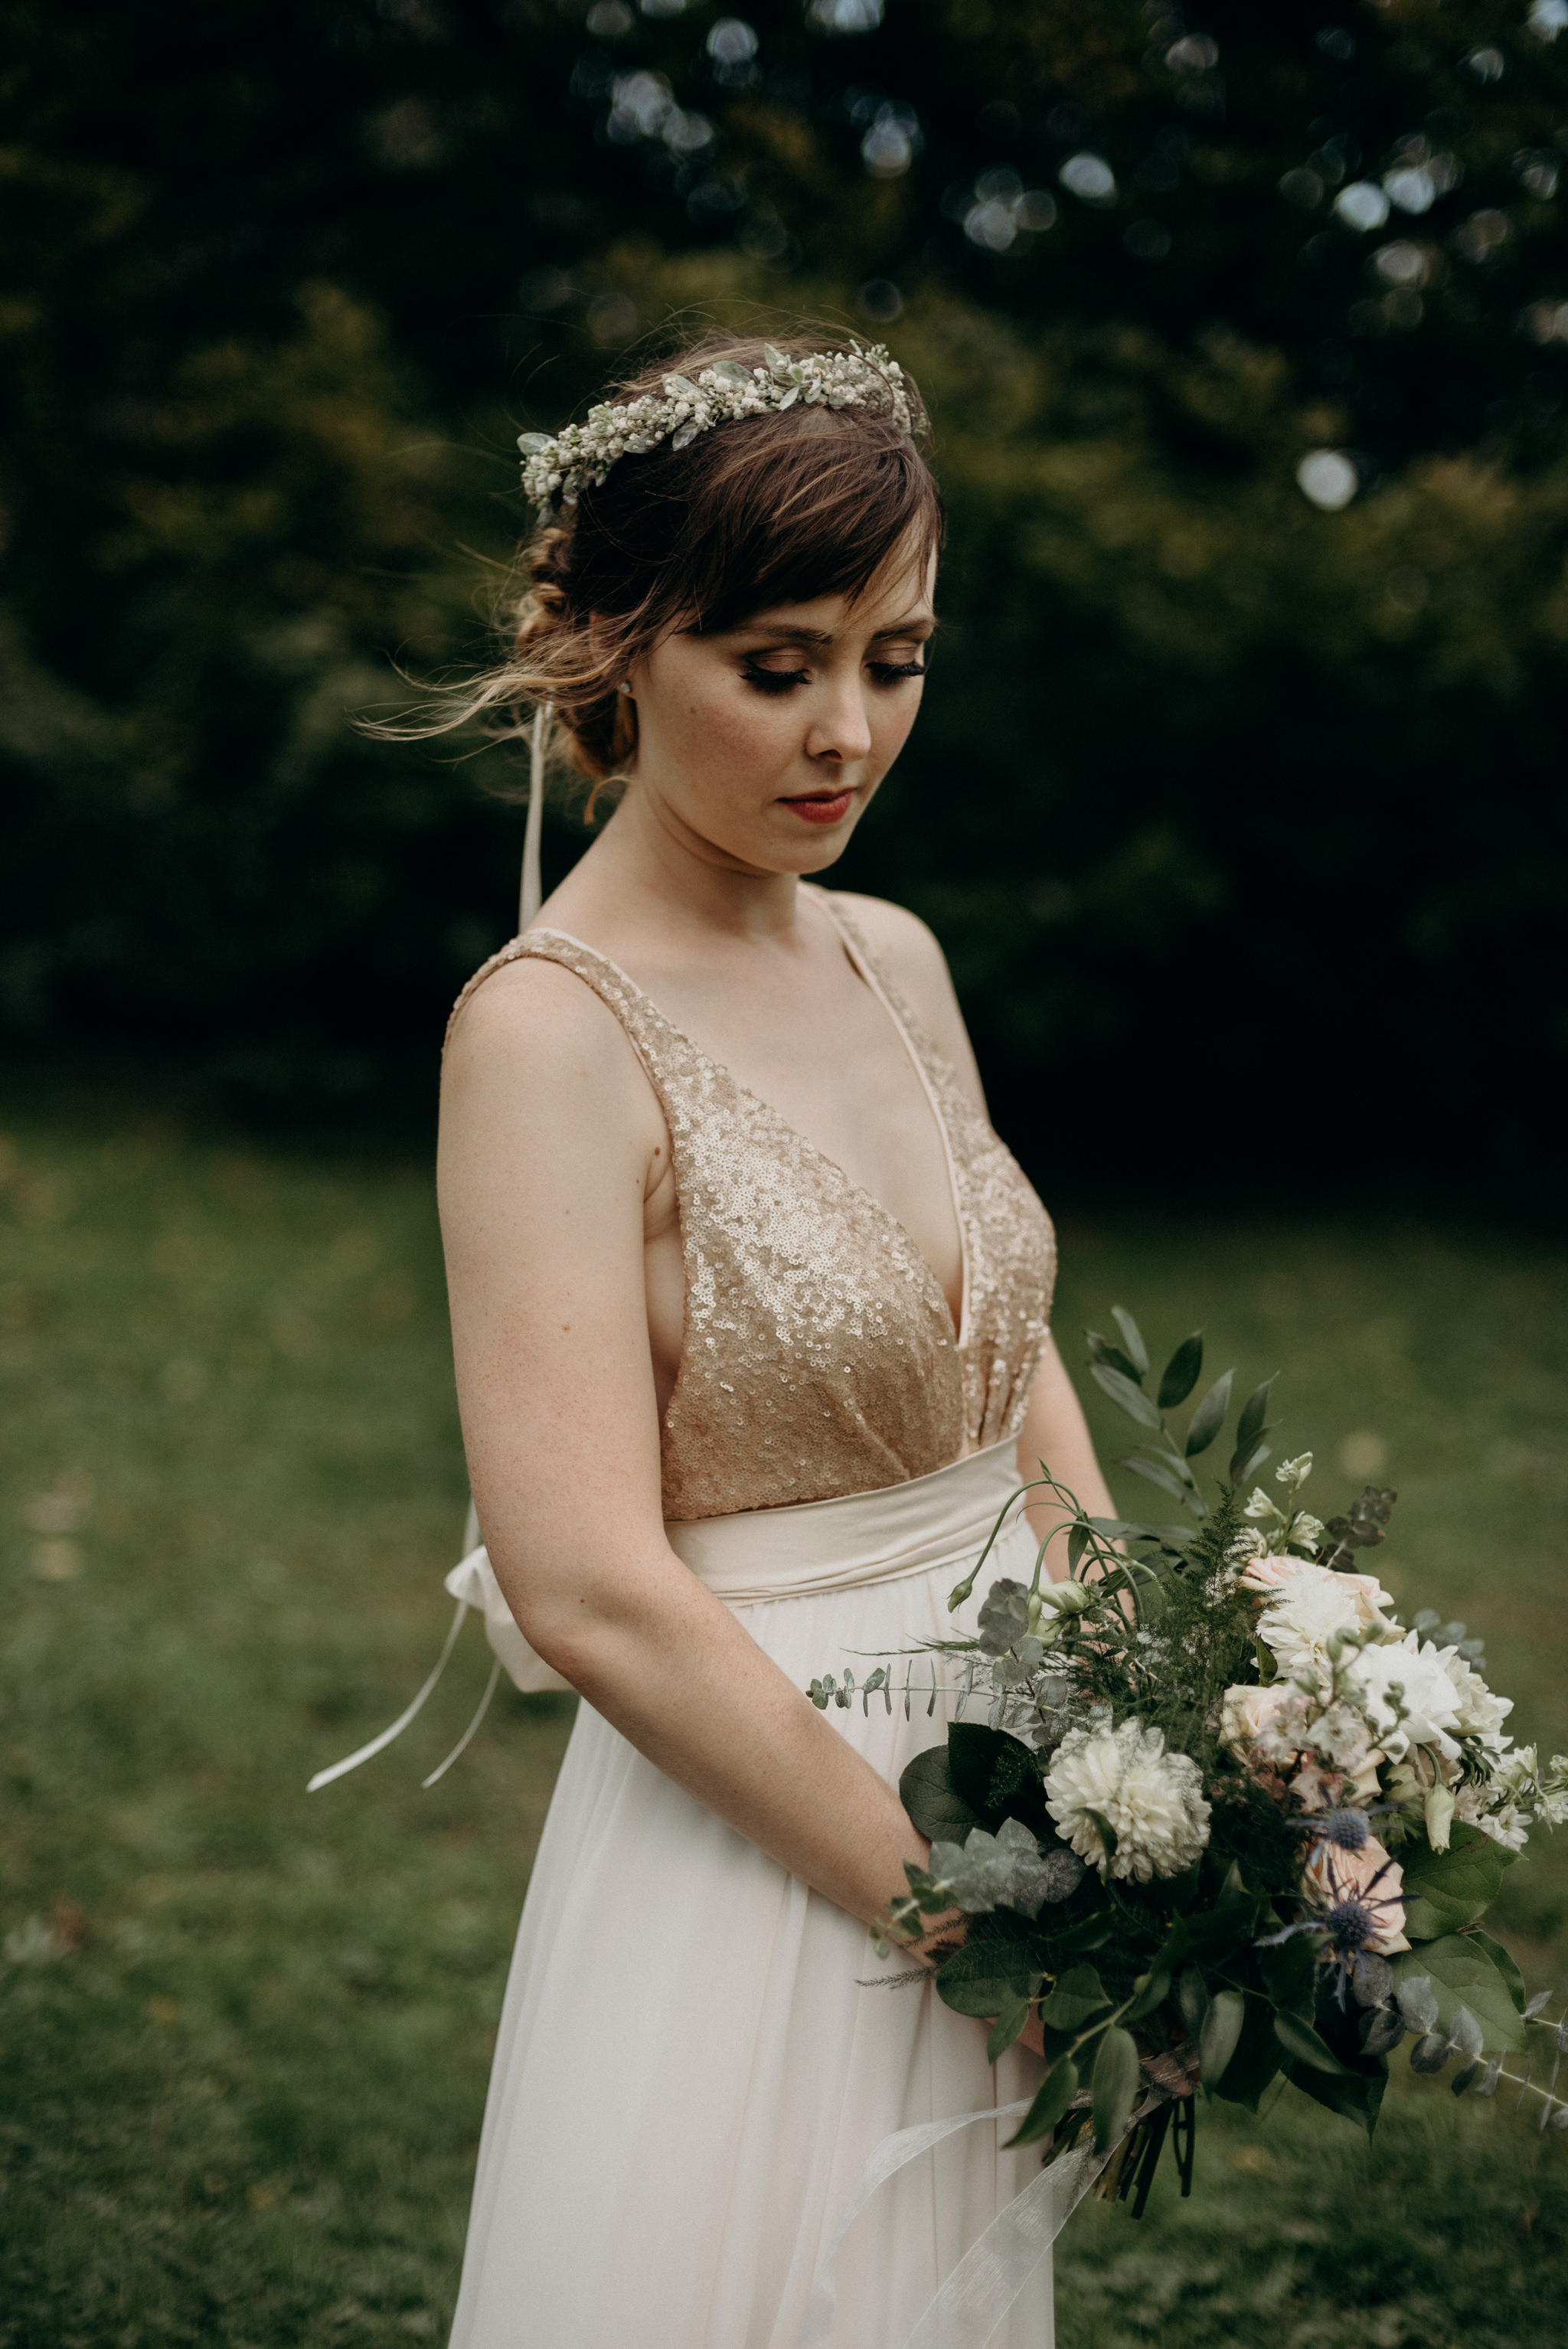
551, 1141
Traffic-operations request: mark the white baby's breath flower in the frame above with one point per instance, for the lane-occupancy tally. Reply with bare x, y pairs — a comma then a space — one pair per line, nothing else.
1152, 1801
1495, 1813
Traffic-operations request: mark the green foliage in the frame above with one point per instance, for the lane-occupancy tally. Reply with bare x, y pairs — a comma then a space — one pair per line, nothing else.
1452, 1887
1464, 1973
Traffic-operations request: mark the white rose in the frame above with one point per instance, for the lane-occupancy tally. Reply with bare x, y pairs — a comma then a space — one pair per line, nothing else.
1479, 1713
1428, 1696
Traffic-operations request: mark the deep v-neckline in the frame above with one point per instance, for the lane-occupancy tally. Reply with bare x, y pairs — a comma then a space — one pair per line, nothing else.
901, 1231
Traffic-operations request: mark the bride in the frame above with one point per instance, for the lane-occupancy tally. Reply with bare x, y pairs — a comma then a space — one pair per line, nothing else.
750, 1311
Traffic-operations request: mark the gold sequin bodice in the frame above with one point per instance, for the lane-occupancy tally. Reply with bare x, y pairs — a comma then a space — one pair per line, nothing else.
819, 1354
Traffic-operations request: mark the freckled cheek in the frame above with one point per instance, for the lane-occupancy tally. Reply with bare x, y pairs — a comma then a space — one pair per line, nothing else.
724, 731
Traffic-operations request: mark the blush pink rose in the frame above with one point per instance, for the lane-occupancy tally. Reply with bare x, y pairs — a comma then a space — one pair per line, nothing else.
1368, 1876
1252, 1720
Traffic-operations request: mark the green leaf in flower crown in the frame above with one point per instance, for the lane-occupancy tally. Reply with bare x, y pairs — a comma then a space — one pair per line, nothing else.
1100, 1349
1131, 1336
1446, 1890
1054, 2095
1303, 2046
1208, 1417
1126, 1395
1241, 1470
933, 1801
1182, 1371
1156, 1472
1113, 2086
1463, 1974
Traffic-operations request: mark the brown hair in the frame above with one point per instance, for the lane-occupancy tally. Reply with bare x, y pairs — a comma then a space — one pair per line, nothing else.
757, 512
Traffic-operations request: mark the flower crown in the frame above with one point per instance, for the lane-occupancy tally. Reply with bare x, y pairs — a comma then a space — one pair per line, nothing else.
556, 468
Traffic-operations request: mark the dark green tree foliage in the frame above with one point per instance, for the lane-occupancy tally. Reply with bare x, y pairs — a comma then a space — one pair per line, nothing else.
283, 283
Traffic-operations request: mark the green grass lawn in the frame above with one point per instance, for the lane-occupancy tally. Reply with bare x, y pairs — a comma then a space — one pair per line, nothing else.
246, 2031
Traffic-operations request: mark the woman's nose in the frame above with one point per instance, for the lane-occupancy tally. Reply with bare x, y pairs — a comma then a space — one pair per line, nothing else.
841, 729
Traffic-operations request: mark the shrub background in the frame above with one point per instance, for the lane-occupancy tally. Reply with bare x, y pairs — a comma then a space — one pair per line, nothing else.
1208, 779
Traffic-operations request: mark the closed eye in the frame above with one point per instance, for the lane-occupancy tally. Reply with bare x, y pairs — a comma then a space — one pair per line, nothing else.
890, 672
774, 681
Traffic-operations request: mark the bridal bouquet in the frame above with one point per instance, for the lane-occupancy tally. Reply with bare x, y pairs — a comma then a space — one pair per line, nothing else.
1228, 1817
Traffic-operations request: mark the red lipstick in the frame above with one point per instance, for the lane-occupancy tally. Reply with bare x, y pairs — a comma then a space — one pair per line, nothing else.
821, 810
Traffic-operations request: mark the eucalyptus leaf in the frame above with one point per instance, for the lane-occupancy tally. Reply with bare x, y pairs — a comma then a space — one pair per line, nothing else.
1383, 2030
1113, 2086
1005, 2029
1156, 1472
1303, 2046
1100, 1349
1192, 1998
1054, 2095
1222, 2027
933, 1801
1126, 1395
1182, 1371
1150, 1991
1254, 1413
1078, 1997
1131, 1336
1208, 1417
1503, 1960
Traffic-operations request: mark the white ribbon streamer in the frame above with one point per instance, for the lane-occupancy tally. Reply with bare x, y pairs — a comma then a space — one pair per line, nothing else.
532, 895
993, 2270
366, 1753
462, 1746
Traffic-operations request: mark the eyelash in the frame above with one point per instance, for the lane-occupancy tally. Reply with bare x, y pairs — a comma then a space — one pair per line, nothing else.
784, 680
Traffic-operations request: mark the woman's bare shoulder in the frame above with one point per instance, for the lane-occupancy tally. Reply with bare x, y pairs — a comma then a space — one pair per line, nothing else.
533, 1027
908, 952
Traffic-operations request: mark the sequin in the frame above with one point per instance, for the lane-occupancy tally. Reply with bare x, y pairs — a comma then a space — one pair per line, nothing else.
819, 1354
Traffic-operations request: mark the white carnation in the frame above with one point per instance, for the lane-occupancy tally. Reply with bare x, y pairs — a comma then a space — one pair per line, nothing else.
1478, 1713
1427, 1698
1152, 1801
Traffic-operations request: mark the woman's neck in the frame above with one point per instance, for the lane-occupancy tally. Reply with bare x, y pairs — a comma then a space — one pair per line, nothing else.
649, 875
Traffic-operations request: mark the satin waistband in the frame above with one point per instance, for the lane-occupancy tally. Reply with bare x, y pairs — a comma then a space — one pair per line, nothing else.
858, 1537
748, 1559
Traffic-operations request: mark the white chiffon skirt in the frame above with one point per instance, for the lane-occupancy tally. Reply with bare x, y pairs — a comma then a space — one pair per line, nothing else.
697, 2053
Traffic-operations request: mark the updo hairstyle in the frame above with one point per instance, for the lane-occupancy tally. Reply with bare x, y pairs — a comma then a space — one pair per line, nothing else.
759, 510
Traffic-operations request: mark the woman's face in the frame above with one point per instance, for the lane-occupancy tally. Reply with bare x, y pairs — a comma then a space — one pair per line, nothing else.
761, 748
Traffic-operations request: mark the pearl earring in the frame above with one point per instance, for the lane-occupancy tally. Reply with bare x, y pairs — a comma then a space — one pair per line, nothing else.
622, 687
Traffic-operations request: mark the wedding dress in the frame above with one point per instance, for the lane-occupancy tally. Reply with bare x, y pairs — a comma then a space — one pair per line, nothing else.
697, 2053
